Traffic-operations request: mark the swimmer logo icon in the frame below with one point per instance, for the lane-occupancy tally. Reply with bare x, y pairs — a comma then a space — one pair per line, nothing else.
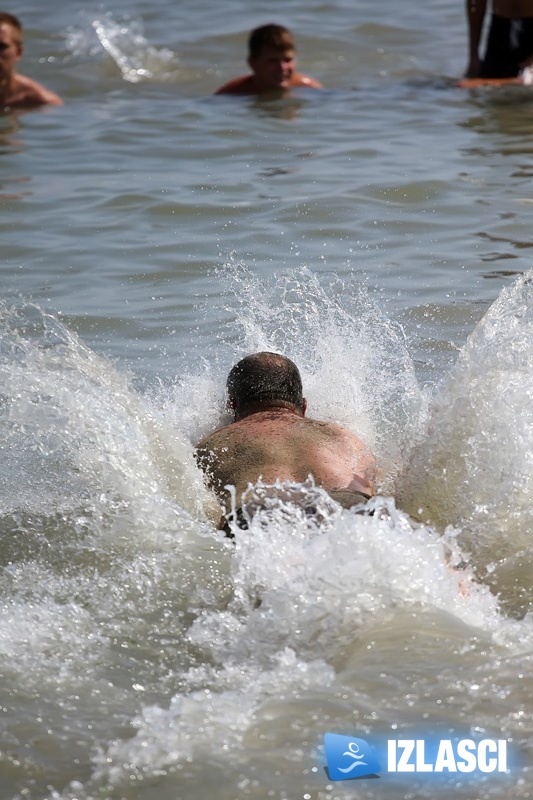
348, 757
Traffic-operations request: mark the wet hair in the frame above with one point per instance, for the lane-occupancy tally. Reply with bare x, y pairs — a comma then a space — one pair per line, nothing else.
275, 37
265, 378
10, 19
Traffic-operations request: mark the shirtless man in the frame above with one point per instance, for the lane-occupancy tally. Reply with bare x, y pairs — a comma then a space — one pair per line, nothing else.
18, 91
510, 40
272, 440
272, 59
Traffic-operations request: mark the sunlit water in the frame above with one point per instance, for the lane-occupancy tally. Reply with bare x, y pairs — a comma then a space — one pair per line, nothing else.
378, 234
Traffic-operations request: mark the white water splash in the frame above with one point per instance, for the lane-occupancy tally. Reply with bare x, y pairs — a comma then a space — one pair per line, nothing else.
474, 469
245, 653
125, 43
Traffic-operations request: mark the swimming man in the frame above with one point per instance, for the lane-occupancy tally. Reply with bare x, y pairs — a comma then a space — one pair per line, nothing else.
272, 440
18, 91
272, 59
509, 46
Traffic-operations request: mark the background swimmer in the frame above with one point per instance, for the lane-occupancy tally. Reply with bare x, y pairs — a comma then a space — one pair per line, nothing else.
272, 59
18, 91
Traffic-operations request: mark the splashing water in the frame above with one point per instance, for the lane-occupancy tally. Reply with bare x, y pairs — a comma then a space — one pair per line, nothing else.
151, 655
475, 466
127, 46
355, 366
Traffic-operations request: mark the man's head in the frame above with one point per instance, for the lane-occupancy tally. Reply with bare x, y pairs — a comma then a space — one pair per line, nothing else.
265, 379
271, 57
10, 43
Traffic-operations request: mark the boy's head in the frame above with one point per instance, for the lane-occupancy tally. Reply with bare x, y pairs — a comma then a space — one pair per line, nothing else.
273, 37
271, 57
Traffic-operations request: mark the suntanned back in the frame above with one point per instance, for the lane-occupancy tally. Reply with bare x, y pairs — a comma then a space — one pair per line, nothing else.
280, 445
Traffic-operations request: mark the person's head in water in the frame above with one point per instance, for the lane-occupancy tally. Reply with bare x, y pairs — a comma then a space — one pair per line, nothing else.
16, 90
271, 37
264, 379
272, 60
10, 43
272, 56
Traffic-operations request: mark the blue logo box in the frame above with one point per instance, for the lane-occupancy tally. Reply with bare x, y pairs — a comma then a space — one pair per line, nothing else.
349, 757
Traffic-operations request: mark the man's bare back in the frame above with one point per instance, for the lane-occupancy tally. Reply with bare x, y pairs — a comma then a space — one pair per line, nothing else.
277, 445
272, 441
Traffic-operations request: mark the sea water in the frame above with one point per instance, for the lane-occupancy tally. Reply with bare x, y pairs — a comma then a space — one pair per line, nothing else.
378, 234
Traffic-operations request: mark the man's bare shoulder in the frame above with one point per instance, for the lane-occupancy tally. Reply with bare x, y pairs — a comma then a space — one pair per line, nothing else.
211, 439
345, 442
331, 429
27, 92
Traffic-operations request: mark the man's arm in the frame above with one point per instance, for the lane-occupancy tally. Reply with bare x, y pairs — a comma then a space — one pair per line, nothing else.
475, 15
203, 455
214, 456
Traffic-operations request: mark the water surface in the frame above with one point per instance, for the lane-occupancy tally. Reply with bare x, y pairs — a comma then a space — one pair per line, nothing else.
377, 232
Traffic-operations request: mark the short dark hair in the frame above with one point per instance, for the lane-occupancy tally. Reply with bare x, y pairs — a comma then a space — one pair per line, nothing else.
275, 36
265, 378
10, 19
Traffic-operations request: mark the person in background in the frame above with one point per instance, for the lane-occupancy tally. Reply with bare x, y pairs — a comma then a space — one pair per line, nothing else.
272, 59
272, 441
509, 48
18, 91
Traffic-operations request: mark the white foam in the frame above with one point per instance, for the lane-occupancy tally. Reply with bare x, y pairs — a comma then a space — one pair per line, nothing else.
474, 468
306, 601
293, 617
